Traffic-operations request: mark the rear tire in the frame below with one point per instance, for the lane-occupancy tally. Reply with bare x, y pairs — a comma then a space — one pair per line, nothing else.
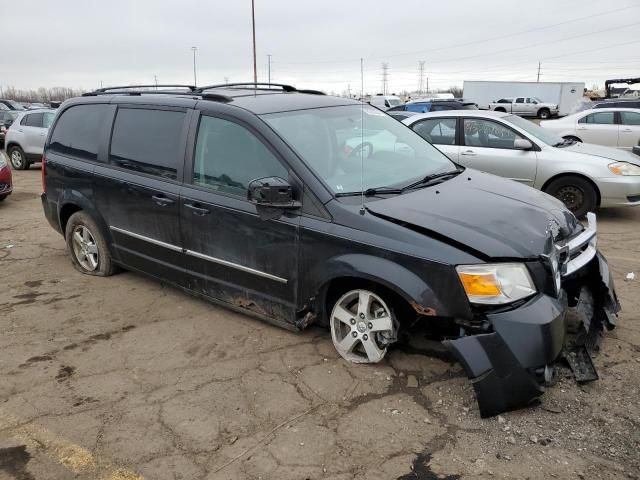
500, 109
17, 158
577, 193
87, 246
544, 113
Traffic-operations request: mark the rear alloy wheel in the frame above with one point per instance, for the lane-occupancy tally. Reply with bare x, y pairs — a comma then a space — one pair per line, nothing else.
544, 113
362, 326
88, 249
576, 193
17, 158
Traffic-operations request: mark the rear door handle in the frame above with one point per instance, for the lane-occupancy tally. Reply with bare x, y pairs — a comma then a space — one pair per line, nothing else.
197, 209
162, 200
469, 153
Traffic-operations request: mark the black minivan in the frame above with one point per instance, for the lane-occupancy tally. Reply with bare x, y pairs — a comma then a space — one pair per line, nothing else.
302, 208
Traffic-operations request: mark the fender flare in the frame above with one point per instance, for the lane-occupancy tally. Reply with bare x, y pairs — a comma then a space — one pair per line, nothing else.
77, 198
400, 280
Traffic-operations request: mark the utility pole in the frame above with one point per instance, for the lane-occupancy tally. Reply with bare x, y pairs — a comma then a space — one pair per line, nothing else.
421, 76
253, 24
226, 79
385, 77
195, 80
155, 77
428, 85
362, 79
538, 72
269, 67
348, 90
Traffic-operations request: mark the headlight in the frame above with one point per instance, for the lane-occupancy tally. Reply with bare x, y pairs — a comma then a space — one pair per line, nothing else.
624, 168
496, 284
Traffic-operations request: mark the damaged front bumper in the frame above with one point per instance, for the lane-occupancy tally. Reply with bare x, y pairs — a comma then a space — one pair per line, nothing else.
509, 366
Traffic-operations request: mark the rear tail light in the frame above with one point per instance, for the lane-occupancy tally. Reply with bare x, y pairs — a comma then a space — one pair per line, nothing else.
44, 187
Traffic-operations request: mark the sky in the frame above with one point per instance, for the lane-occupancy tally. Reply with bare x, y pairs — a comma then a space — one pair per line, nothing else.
317, 44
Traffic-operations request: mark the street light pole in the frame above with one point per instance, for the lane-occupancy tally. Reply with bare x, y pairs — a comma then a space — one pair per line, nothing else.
253, 24
195, 80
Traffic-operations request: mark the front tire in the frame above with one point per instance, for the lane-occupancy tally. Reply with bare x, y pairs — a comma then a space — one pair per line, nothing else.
362, 326
17, 158
87, 246
578, 194
544, 113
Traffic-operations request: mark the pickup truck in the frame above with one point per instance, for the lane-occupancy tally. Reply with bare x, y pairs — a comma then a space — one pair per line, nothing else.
525, 106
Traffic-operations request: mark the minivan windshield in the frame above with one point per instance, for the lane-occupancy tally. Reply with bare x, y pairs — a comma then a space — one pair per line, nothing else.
540, 133
358, 147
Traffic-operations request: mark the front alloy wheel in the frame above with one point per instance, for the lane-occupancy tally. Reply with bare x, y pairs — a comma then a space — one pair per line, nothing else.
85, 248
16, 156
362, 326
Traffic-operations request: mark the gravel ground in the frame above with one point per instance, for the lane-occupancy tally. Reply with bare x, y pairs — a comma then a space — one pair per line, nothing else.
124, 378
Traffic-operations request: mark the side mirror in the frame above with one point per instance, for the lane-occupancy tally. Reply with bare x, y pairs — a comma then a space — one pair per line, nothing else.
522, 144
272, 192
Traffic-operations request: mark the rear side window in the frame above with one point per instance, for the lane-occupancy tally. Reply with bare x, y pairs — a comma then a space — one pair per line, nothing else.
439, 131
630, 118
148, 141
77, 132
228, 157
33, 120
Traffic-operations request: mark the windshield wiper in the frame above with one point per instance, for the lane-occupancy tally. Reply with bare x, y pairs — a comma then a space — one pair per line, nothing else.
426, 181
370, 192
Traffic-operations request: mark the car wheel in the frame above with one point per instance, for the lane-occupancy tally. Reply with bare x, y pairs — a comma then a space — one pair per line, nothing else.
544, 113
500, 110
17, 158
87, 246
362, 326
576, 193
3, 198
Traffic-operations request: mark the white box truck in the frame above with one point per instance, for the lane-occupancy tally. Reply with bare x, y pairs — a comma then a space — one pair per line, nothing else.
567, 95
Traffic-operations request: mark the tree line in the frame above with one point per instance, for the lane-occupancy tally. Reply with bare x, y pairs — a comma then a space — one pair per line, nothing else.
40, 95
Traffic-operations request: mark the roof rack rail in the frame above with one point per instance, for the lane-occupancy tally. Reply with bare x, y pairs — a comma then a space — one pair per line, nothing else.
190, 93
126, 87
286, 88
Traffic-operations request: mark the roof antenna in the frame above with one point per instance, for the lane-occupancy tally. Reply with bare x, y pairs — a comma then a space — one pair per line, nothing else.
362, 209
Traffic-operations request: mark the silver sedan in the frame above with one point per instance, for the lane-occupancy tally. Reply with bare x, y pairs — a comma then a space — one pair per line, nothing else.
585, 177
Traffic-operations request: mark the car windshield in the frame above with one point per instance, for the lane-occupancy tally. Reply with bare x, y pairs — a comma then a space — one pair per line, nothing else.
358, 147
537, 99
16, 105
540, 133
394, 102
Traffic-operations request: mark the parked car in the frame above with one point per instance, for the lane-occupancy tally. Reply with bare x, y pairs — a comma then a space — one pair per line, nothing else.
617, 103
636, 148
6, 186
434, 106
11, 104
6, 119
525, 106
385, 102
585, 177
247, 197
612, 127
25, 139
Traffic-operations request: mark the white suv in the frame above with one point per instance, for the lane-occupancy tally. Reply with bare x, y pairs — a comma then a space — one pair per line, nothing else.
25, 138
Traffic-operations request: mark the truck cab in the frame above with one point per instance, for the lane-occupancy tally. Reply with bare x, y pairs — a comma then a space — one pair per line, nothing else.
525, 106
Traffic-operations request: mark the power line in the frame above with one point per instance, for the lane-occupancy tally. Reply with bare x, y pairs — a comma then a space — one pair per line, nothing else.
475, 42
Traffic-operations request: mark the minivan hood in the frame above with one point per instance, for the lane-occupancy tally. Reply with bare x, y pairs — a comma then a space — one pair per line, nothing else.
481, 213
610, 153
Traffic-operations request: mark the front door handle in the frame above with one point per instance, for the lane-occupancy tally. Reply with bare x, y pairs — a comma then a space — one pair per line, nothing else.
197, 209
469, 153
581, 128
162, 200
627, 130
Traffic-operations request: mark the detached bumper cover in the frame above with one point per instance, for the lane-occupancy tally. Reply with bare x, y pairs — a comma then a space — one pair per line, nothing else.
506, 367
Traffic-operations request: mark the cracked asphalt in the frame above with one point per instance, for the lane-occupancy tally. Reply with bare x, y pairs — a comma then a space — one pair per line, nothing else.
124, 378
